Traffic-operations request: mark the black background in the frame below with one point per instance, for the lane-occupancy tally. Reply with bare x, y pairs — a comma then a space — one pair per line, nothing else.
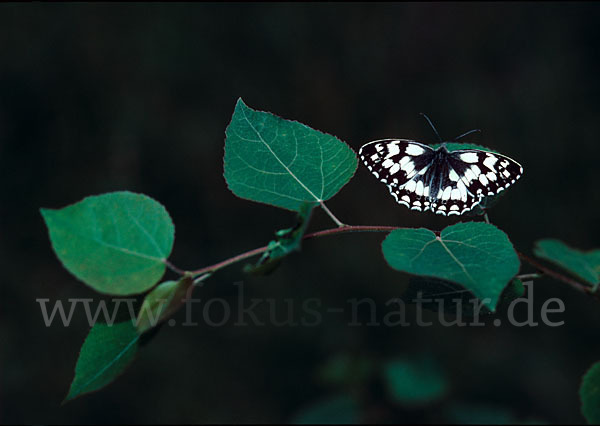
103, 97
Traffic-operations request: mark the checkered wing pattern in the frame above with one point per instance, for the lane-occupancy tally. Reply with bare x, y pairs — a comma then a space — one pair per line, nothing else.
446, 183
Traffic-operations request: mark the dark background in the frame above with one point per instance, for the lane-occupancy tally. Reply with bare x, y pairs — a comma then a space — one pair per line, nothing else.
96, 98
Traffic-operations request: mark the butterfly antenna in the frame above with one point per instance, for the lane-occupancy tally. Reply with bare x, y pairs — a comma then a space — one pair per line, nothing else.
432, 126
467, 133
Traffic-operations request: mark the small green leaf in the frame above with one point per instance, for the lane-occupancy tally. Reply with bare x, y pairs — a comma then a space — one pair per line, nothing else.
162, 302
286, 242
340, 409
414, 382
116, 243
585, 265
105, 354
281, 162
476, 255
513, 291
589, 392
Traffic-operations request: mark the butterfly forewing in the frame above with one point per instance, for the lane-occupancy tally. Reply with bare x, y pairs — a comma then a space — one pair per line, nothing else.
395, 161
447, 183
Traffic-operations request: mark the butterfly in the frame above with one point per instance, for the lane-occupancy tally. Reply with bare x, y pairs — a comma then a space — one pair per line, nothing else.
442, 181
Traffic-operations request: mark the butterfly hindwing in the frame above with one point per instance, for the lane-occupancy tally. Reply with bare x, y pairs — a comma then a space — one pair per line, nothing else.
449, 193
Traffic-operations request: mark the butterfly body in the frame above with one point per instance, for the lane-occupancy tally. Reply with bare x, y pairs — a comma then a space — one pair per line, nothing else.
446, 182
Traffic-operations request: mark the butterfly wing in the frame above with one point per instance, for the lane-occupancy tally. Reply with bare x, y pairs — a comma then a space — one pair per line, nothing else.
466, 177
401, 165
448, 193
485, 173
451, 183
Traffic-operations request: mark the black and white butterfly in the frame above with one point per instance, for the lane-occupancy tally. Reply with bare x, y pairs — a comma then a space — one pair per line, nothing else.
444, 182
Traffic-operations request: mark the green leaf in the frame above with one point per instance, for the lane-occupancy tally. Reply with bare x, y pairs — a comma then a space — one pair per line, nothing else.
340, 409
281, 162
589, 392
116, 243
476, 255
162, 302
414, 382
515, 289
286, 242
585, 265
105, 354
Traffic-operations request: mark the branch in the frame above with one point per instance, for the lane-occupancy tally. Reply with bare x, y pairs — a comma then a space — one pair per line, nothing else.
340, 230
350, 228
558, 276
345, 229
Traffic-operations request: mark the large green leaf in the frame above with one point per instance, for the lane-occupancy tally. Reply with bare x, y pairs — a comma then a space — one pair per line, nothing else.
590, 395
105, 354
339, 409
162, 302
116, 243
412, 382
476, 255
281, 162
585, 265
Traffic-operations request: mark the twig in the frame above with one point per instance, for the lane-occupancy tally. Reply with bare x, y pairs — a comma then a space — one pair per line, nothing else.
203, 273
349, 228
227, 262
340, 230
558, 276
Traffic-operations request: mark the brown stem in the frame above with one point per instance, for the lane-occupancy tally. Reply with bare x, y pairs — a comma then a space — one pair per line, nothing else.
558, 276
340, 230
349, 228
374, 228
229, 261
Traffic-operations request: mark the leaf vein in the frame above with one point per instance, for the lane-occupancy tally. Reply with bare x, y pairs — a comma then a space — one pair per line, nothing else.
107, 366
278, 159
